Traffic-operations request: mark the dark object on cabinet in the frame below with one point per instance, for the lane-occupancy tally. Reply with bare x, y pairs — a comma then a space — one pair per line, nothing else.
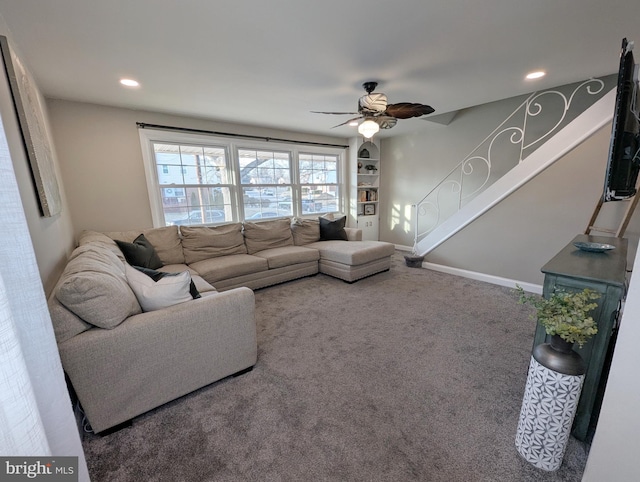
624, 151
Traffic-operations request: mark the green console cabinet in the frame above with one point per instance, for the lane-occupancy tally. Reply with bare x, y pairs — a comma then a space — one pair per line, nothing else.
605, 272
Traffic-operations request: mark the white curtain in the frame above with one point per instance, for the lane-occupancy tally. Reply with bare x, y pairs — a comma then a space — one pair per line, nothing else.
21, 430
36, 417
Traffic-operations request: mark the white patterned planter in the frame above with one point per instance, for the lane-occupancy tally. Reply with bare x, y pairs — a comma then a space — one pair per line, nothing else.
548, 408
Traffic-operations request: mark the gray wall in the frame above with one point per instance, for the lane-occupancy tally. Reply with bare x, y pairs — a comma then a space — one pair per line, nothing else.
101, 160
412, 165
52, 237
518, 236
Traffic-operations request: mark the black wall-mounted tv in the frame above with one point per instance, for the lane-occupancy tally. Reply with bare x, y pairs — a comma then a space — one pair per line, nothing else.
624, 151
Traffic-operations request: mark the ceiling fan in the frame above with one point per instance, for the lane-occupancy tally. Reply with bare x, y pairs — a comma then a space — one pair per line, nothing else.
378, 114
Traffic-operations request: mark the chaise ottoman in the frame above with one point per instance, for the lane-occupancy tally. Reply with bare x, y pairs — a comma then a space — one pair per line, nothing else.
353, 260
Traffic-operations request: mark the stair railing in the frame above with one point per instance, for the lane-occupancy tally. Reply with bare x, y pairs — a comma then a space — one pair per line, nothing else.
448, 195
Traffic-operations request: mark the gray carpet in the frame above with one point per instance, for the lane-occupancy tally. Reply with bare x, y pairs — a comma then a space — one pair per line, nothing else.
407, 375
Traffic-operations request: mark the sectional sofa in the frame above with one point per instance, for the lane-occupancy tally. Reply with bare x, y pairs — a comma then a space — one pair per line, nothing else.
133, 339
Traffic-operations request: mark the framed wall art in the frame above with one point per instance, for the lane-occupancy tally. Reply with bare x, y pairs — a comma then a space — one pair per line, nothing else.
33, 127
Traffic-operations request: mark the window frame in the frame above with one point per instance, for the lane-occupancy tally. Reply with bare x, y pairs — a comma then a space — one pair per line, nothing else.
233, 145
270, 147
309, 185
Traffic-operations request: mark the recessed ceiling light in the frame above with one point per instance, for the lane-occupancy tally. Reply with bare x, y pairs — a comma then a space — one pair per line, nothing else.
353, 123
535, 75
129, 82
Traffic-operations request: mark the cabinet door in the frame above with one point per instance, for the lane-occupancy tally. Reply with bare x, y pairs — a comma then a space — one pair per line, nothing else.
369, 227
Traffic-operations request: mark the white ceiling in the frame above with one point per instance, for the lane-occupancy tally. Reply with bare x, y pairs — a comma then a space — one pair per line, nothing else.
271, 62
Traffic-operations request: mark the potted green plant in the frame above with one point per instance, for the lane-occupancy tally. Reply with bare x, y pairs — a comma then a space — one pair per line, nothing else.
565, 315
555, 376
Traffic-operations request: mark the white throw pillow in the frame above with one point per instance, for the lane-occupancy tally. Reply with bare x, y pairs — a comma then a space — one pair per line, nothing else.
155, 295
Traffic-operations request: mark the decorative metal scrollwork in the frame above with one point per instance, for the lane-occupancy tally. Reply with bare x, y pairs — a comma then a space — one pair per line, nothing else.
451, 189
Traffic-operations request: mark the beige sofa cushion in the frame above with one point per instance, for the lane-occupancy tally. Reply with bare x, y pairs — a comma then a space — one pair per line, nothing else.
166, 242
267, 235
305, 231
232, 266
94, 287
204, 242
288, 255
87, 237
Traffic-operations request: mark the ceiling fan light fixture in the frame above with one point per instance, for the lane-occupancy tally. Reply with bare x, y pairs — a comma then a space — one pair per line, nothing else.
373, 102
377, 113
368, 128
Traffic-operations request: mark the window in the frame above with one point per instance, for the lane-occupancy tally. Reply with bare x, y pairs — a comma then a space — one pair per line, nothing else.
319, 183
196, 179
193, 183
266, 183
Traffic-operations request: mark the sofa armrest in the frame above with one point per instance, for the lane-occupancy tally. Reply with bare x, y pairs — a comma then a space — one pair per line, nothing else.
155, 357
354, 234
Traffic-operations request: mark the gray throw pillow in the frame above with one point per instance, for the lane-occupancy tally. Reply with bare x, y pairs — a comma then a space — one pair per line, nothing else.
333, 230
140, 253
165, 240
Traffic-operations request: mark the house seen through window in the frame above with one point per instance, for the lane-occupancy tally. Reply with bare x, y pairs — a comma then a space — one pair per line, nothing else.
219, 182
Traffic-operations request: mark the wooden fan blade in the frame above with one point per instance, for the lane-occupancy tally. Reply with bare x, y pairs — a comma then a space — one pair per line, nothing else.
346, 122
406, 110
334, 113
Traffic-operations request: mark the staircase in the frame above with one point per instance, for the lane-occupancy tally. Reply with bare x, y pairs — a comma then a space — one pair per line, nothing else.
472, 205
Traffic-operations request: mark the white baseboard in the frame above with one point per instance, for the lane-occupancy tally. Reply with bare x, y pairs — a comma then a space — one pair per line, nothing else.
487, 278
